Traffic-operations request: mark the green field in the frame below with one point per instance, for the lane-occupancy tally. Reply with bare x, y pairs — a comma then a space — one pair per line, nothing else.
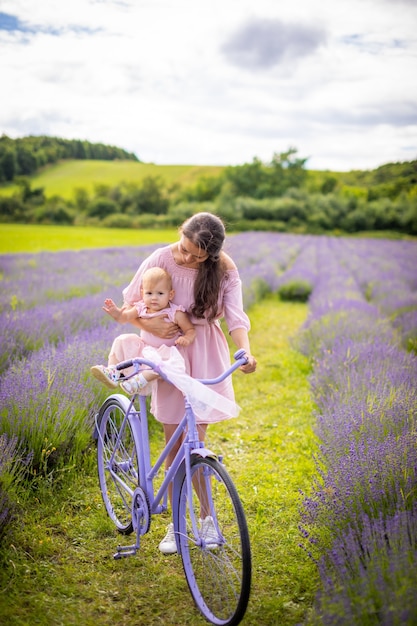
62, 179
36, 238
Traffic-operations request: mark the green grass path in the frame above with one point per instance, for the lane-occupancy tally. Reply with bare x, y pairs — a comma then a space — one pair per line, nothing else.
58, 569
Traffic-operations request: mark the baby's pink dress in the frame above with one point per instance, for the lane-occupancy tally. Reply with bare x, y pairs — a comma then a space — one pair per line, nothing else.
130, 345
170, 313
208, 356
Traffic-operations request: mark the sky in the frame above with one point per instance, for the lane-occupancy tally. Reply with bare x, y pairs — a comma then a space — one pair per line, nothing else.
216, 82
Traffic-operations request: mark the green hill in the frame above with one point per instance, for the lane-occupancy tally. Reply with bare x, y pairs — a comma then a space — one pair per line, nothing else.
63, 178
281, 195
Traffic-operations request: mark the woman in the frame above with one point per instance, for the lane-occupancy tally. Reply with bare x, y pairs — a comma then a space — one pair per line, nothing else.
206, 282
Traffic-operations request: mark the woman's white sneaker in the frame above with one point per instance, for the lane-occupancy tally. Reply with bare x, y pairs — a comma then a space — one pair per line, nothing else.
168, 544
209, 533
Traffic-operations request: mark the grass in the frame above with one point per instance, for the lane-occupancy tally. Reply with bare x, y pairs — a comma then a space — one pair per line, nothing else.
63, 178
57, 567
36, 238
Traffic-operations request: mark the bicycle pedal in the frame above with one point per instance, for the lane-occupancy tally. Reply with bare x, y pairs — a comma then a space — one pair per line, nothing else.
123, 551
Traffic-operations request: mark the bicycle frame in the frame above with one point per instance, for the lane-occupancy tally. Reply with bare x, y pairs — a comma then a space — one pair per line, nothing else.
181, 465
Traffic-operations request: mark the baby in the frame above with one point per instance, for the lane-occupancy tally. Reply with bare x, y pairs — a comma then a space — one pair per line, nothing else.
157, 295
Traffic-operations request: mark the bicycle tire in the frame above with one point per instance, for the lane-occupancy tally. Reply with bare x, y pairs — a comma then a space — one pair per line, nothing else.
124, 464
219, 577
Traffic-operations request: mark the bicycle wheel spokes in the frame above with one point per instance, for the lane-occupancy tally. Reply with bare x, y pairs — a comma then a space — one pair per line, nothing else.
217, 562
117, 464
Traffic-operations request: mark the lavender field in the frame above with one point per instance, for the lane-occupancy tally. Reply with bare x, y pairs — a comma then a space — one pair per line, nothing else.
359, 521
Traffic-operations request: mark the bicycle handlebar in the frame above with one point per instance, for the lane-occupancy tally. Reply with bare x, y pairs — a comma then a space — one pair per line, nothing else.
238, 356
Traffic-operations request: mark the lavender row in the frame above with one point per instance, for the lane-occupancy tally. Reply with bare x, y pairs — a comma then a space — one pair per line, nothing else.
49, 399
377, 279
262, 259
361, 516
28, 280
25, 331
304, 268
378, 590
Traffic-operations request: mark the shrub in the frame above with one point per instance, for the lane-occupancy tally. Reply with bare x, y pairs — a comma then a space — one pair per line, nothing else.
53, 214
295, 290
182, 211
101, 208
118, 220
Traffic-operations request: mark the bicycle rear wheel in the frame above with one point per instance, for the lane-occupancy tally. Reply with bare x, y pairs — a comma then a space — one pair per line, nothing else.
117, 461
217, 564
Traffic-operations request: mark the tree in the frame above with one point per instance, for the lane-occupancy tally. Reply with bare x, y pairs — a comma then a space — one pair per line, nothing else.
26, 161
246, 179
328, 185
8, 164
101, 208
150, 197
79, 150
27, 194
206, 189
81, 198
259, 180
13, 210
54, 212
287, 172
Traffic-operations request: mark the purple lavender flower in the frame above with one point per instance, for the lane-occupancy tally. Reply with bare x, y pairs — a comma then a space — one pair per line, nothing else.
48, 399
370, 573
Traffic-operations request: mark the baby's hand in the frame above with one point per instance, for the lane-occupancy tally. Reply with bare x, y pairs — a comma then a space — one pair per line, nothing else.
108, 304
182, 341
110, 307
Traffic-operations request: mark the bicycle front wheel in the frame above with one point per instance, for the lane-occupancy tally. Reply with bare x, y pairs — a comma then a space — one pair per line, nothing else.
214, 542
117, 463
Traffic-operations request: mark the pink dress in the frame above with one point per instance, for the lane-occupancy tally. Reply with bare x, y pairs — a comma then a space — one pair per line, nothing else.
208, 356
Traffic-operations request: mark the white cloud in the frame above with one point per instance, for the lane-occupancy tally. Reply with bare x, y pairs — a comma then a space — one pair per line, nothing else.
266, 43
215, 82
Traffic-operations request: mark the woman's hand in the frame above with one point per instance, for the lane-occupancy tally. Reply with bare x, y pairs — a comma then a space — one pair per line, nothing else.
159, 326
250, 366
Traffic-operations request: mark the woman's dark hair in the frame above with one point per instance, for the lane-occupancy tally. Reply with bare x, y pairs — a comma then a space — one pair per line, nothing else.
206, 231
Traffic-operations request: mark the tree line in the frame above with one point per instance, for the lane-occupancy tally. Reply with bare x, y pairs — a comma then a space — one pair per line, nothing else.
280, 195
25, 155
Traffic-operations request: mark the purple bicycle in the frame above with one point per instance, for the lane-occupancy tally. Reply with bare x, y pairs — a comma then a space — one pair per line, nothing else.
217, 567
